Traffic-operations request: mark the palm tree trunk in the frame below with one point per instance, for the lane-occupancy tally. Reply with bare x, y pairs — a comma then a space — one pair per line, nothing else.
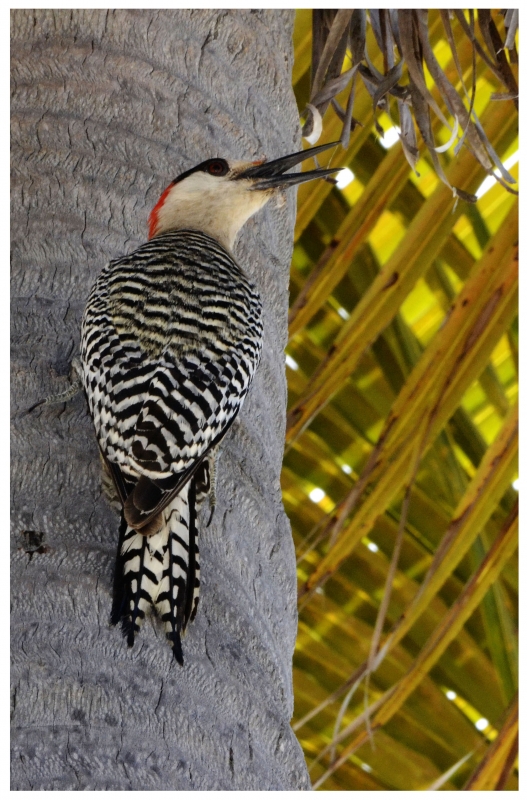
108, 107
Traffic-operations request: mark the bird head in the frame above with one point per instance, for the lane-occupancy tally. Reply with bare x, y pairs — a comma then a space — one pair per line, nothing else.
218, 196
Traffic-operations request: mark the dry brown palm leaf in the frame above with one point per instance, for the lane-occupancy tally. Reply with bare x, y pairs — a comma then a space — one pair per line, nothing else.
406, 32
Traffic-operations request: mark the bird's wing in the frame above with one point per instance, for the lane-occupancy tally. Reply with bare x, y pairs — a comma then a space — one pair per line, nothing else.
184, 413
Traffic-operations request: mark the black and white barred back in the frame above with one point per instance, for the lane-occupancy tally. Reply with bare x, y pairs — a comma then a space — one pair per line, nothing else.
171, 338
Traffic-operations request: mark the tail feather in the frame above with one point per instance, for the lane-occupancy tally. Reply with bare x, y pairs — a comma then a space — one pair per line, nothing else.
177, 581
160, 571
119, 585
192, 588
140, 580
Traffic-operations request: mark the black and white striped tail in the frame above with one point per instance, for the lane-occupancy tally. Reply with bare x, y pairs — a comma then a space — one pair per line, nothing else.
160, 571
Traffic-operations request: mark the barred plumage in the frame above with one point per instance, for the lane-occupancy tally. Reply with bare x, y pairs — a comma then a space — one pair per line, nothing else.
171, 338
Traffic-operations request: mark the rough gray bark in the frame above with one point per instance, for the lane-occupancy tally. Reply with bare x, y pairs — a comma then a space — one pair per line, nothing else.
108, 107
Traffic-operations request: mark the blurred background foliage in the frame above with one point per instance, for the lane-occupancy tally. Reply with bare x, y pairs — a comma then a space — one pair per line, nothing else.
400, 472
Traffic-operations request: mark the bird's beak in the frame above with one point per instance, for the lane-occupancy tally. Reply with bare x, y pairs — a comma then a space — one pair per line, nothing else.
270, 174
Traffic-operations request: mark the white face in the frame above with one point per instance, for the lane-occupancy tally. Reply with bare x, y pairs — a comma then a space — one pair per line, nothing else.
213, 203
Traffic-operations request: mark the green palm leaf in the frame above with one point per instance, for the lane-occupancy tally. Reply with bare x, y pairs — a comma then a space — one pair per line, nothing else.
401, 448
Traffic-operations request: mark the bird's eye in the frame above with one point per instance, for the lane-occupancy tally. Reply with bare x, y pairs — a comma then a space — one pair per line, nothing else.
218, 167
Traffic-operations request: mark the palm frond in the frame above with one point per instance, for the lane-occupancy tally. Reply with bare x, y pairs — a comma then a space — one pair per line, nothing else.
401, 446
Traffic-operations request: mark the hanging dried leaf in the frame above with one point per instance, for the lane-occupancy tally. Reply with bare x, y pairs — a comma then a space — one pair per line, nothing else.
422, 118
357, 35
394, 24
503, 96
497, 61
333, 87
407, 134
476, 138
511, 24
349, 122
375, 22
390, 80
322, 19
411, 52
334, 39
335, 31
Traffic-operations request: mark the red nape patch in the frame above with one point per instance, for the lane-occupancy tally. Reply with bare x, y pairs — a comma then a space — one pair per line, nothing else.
154, 214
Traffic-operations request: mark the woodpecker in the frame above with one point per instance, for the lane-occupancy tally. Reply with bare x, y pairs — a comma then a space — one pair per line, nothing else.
170, 341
